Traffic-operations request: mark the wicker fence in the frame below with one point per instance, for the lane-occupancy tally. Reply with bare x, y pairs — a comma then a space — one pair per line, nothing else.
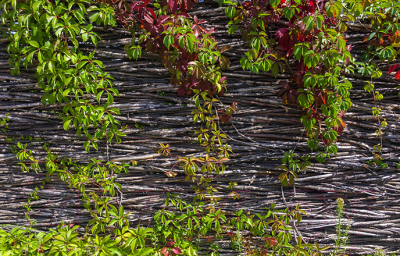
261, 131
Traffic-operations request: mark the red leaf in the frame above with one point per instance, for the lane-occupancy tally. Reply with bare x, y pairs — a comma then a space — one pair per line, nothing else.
173, 6
341, 127
225, 119
222, 92
271, 241
222, 79
148, 19
280, 32
162, 19
183, 6
292, 96
146, 2
397, 75
176, 250
189, 4
184, 14
284, 41
281, 91
152, 13
164, 250
181, 91
286, 87
311, 6
393, 68
171, 243
132, 5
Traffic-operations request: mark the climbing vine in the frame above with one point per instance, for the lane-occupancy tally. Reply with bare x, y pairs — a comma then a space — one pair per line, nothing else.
306, 37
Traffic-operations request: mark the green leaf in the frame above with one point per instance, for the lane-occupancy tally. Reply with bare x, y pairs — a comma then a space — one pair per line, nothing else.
94, 17
85, 36
92, 8
189, 43
110, 98
191, 251
315, 60
275, 69
230, 11
167, 41
95, 145
309, 21
371, 35
145, 251
66, 124
115, 251
35, 6
94, 39
297, 51
283, 178
34, 44
302, 98
30, 56
51, 67
40, 57
320, 20
341, 43
274, 3
78, 15
333, 9
331, 32
256, 44
99, 63
358, 9
98, 97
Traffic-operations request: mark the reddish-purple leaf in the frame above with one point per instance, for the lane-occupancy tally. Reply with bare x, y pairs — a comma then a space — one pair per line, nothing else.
393, 68
162, 19
281, 91
132, 5
148, 19
349, 47
280, 32
189, 4
173, 6
181, 91
271, 241
225, 119
139, 6
285, 42
164, 250
152, 13
170, 243
176, 250
184, 14
183, 6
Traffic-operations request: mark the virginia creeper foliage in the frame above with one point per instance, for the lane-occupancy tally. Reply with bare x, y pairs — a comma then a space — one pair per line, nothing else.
305, 37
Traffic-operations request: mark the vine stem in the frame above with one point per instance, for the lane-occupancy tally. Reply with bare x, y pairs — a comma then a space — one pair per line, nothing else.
119, 201
296, 231
379, 120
